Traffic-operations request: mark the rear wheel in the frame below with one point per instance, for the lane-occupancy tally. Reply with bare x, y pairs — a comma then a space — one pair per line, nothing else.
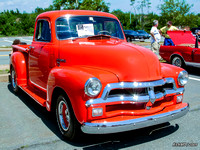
14, 81
68, 125
177, 61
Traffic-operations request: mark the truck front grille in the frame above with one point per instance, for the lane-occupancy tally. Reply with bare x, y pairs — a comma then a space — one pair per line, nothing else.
140, 92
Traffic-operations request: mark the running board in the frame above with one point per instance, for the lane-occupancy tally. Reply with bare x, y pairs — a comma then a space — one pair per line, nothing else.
38, 96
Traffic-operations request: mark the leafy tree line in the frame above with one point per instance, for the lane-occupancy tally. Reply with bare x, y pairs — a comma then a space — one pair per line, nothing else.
15, 23
178, 11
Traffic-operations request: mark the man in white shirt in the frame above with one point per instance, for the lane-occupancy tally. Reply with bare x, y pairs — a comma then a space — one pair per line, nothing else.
155, 38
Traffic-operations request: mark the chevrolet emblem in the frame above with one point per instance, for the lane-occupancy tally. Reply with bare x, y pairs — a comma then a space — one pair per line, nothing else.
152, 98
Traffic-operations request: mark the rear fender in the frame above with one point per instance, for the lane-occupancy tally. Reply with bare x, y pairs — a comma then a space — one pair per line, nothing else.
177, 54
19, 63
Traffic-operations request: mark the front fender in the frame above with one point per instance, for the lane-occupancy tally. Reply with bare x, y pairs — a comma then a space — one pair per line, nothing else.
170, 71
18, 62
72, 80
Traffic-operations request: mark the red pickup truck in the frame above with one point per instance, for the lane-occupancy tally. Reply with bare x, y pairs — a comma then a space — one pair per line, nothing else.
185, 51
80, 67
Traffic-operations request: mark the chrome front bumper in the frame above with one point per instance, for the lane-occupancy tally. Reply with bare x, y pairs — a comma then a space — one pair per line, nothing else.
121, 126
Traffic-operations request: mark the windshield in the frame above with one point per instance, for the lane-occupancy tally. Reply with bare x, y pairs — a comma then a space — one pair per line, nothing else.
85, 26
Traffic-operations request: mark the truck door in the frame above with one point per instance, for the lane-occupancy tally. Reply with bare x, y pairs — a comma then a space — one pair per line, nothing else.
39, 54
196, 55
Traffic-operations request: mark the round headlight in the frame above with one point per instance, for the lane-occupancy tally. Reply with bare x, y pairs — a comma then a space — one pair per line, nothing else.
93, 87
182, 78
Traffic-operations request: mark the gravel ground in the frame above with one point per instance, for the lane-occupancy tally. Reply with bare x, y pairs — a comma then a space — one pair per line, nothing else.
4, 77
4, 67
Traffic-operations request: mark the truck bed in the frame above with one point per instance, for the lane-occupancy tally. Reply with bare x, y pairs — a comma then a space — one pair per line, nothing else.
22, 48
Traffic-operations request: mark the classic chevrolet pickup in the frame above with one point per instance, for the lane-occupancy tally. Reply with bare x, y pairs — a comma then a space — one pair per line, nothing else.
80, 67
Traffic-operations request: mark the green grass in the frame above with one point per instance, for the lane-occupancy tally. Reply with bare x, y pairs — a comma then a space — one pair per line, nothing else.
4, 71
163, 61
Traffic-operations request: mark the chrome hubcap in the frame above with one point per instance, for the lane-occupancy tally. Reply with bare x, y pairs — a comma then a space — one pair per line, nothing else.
177, 62
13, 79
64, 116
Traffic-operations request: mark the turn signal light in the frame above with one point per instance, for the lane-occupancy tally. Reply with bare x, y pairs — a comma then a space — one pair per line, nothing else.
179, 98
97, 112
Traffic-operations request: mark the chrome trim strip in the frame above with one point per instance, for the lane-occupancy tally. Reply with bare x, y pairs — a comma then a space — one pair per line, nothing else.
134, 98
192, 63
130, 85
30, 95
127, 125
45, 90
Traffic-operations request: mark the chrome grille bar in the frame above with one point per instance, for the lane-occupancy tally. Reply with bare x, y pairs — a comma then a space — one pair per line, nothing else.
136, 98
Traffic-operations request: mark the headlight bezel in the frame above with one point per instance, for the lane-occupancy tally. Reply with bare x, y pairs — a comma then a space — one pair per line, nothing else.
183, 78
88, 85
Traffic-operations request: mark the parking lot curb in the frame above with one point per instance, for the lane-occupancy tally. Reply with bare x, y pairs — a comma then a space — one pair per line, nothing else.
2, 49
4, 77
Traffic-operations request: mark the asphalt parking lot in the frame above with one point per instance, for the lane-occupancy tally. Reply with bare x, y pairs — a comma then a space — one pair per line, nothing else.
26, 125
7, 41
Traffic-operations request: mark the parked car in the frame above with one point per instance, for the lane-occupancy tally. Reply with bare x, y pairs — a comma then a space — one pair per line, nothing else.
131, 35
186, 49
92, 79
143, 34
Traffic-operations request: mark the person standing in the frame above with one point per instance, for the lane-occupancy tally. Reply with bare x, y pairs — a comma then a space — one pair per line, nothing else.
163, 30
155, 38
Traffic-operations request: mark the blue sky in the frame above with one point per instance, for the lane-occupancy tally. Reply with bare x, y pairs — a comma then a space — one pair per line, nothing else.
30, 5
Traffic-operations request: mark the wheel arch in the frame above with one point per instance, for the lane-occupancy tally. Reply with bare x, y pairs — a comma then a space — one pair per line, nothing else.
176, 54
19, 64
55, 94
66, 81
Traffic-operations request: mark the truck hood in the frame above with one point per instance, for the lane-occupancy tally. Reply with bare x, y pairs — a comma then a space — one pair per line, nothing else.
127, 61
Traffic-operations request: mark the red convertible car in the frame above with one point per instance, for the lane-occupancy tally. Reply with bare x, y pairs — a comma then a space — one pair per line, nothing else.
185, 50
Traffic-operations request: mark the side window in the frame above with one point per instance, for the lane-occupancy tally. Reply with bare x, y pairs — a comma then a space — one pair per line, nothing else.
43, 32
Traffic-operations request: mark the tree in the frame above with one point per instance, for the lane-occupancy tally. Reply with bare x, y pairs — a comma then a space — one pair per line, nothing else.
141, 5
66, 4
149, 21
176, 11
98, 5
198, 20
124, 19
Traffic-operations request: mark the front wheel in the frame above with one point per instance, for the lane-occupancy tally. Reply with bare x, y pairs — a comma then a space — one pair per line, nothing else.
177, 61
15, 87
68, 125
